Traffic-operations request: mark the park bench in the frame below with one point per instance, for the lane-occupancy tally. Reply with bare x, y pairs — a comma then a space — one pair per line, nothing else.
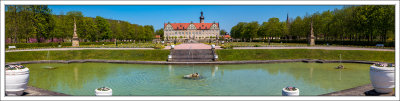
380, 45
9, 47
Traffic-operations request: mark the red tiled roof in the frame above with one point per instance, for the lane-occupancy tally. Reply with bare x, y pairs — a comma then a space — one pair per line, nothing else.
184, 26
157, 36
227, 36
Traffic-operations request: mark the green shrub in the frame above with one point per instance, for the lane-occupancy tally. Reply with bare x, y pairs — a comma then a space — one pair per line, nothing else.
227, 46
159, 46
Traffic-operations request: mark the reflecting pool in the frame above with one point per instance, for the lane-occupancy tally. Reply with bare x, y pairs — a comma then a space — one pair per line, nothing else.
163, 80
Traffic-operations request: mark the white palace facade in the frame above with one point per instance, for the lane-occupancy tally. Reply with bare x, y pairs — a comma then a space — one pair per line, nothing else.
195, 31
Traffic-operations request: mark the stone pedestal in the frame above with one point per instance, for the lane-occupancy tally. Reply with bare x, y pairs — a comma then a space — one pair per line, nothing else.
312, 41
75, 42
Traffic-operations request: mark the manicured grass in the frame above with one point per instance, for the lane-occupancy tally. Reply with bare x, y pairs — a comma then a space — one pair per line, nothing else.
279, 54
136, 55
224, 55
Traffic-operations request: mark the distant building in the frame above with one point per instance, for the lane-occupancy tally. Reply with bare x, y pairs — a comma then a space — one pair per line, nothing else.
157, 36
227, 36
195, 31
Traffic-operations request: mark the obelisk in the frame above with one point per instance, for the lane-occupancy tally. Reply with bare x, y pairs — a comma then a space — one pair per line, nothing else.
312, 38
75, 39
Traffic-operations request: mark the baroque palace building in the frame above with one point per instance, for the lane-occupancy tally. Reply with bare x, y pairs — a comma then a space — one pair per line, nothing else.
194, 31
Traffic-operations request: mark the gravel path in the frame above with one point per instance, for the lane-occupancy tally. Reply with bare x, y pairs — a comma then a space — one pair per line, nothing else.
322, 47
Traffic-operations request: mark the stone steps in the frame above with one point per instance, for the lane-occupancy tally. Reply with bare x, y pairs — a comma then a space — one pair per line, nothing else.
192, 55
192, 60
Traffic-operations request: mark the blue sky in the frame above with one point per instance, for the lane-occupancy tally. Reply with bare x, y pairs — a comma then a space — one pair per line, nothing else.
227, 16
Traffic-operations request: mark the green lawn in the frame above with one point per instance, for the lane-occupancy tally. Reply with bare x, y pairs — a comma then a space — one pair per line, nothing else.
278, 54
224, 55
136, 55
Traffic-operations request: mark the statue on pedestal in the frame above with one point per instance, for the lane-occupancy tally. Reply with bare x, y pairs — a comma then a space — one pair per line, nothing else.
75, 39
312, 38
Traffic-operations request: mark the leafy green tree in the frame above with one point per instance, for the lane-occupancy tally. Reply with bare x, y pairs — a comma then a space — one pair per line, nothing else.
262, 30
274, 28
160, 32
89, 30
238, 31
222, 32
116, 29
103, 27
250, 30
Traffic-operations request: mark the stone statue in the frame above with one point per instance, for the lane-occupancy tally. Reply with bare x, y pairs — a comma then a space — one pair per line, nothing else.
312, 38
75, 39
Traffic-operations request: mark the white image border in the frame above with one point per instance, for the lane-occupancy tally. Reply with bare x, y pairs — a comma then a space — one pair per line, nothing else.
3, 3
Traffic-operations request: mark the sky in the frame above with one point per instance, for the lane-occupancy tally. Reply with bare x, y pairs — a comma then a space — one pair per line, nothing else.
227, 16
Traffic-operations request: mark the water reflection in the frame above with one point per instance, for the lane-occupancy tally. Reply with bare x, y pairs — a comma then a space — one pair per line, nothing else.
213, 70
243, 79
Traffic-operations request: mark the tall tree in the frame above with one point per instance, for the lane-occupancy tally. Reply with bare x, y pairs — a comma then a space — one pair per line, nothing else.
222, 32
103, 27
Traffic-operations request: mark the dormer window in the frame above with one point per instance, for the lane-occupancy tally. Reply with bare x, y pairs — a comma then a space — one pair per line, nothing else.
177, 27
183, 27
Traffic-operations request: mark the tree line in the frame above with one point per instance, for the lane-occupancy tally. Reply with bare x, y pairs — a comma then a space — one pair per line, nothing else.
36, 23
366, 23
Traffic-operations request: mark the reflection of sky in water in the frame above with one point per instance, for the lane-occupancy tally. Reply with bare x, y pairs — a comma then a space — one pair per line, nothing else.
235, 79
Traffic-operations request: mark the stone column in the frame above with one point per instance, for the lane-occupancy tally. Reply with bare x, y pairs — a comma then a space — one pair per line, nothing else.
75, 39
311, 38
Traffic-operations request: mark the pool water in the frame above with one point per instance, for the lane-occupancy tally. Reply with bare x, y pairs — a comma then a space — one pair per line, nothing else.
217, 80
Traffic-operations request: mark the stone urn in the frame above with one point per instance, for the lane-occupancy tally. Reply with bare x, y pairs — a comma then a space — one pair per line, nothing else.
169, 58
17, 77
103, 91
382, 77
290, 91
212, 46
172, 46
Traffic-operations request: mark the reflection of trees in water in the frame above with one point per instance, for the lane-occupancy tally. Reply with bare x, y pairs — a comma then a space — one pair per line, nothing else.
68, 75
322, 75
76, 75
